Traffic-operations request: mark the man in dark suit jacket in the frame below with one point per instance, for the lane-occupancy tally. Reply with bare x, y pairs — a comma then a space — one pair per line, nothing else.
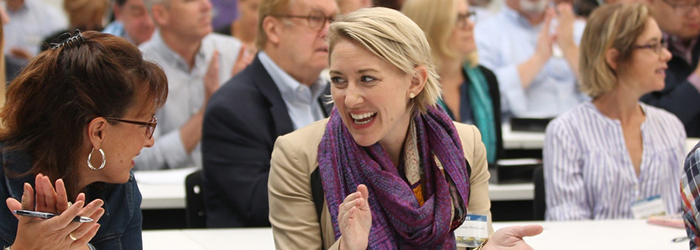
681, 95
280, 91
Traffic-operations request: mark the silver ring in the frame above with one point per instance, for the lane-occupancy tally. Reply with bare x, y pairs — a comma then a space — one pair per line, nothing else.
72, 237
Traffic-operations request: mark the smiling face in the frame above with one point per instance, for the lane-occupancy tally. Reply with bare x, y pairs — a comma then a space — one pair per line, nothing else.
371, 95
122, 143
461, 39
647, 67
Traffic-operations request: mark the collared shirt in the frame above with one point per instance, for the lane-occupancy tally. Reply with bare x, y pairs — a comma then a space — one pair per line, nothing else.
185, 97
301, 100
588, 171
507, 40
116, 28
690, 184
30, 24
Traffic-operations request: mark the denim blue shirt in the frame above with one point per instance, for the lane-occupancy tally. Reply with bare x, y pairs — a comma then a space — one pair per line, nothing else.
120, 226
507, 40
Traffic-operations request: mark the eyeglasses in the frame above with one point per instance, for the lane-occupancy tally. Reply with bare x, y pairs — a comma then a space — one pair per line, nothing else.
316, 19
682, 7
150, 125
657, 47
463, 18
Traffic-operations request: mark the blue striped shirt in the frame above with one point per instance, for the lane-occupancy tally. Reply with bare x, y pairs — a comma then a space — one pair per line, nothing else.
588, 170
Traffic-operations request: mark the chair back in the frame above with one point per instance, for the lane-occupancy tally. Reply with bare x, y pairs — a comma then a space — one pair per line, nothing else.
539, 204
194, 207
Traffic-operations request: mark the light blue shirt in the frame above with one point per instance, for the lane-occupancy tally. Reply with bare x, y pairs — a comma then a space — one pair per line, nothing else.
588, 170
116, 28
507, 40
30, 25
301, 100
185, 97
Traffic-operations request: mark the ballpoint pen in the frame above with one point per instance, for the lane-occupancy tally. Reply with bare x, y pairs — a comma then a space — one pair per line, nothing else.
48, 215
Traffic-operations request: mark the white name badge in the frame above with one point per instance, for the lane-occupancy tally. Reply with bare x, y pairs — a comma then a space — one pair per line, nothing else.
644, 208
473, 231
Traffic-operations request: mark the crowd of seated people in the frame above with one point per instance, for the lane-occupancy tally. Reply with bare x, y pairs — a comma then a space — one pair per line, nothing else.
280, 102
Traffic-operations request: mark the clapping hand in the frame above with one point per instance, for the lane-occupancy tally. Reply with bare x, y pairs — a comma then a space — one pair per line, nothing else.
565, 27
355, 220
58, 232
544, 39
245, 57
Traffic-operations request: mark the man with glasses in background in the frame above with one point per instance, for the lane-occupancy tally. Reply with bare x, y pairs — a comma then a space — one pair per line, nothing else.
279, 92
679, 21
196, 63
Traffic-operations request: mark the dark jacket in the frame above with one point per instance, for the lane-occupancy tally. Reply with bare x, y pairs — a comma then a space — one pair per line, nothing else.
467, 113
241, 123
679, 96
120, 226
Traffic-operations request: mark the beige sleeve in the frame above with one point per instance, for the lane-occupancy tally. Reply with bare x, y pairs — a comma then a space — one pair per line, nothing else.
292, 212
479, 202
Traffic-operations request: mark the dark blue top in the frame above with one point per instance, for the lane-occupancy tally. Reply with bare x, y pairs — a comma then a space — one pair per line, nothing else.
120, 226
679, 96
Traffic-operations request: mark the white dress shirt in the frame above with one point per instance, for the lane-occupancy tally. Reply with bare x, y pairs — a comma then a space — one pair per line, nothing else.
185, 97
30, 25
508, 40
301, 100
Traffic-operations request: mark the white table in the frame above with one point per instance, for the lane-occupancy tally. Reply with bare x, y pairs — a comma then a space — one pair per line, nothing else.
614, 234
172, 196
535, 140
521, 140
170, 193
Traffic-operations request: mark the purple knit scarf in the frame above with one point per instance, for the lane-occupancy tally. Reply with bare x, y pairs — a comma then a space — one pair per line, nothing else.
398, 221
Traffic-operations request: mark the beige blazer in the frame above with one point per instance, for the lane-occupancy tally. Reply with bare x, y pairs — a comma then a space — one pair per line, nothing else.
293, 214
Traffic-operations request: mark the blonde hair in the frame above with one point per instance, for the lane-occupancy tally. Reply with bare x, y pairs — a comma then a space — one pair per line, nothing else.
394, 38
611, 26
83, 13
269, 8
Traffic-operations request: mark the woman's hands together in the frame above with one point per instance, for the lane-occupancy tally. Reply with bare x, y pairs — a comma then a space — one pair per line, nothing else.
355, 220
58, 232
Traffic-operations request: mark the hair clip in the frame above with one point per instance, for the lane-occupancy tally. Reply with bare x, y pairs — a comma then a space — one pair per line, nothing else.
71, 42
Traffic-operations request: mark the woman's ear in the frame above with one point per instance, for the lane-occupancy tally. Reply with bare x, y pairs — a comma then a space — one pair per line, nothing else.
96, 131
611, 58
418, 80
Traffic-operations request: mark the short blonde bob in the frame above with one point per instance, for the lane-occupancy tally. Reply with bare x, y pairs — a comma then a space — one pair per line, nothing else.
437, 19
611, 26
394, 38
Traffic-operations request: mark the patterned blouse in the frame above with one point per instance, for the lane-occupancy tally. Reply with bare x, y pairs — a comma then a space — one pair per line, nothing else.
589, 172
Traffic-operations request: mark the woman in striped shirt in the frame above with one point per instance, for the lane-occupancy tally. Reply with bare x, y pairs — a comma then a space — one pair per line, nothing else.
606, 154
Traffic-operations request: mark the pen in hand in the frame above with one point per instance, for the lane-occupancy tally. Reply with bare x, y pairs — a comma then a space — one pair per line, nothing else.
48, 215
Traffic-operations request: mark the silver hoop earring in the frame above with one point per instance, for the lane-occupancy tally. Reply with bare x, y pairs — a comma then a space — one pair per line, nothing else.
104, 160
